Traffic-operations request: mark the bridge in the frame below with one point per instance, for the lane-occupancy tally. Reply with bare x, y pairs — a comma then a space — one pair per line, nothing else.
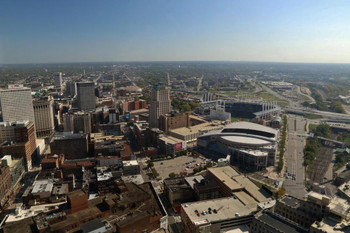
331, 142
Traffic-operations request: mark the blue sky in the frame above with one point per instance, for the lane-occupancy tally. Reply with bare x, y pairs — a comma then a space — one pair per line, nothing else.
161, 30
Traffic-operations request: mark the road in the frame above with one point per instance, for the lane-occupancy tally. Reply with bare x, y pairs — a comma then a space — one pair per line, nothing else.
272, 92
324, 114
200, 83
294, 157
307, 96
168, 78
257, 87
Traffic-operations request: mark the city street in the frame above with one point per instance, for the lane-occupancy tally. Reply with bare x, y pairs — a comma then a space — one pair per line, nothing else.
294, 157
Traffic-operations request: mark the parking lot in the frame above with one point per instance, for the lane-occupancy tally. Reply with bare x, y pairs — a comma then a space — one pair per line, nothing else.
177, 165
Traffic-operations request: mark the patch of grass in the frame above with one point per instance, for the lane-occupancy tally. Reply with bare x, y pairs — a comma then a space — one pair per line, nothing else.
313, 116
312, 127
234, 119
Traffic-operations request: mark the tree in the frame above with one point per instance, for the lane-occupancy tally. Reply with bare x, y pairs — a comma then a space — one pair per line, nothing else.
154, 172
172, 175
185, 107
150, 164
281, 192
323, 130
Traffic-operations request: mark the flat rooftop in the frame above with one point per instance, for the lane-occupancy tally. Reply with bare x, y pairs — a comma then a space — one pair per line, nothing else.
227, 208
208, 126
237, 182
277, 222
130, 163
330, 225
170, 140
290, 201
248, 140
251, 126
191, 180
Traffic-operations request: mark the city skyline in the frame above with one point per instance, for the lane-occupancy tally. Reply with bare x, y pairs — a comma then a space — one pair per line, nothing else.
118, 31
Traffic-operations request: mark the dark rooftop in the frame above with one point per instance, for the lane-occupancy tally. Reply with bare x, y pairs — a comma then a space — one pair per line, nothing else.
291, 201
278, 222
91, 225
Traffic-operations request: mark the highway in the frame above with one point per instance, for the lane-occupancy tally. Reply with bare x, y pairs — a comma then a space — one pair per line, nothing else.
294, 157
272, 92
168, 79
200, 83
324, 114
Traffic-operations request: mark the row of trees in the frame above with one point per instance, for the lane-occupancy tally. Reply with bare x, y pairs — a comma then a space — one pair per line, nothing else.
313, 146
183, 106
282, 145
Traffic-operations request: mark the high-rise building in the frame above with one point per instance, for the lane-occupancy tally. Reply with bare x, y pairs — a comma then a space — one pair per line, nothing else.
58, 80
82, 122
44, 117
160, 104
86, 96
70, 88
68, 122
79, 122
17, 105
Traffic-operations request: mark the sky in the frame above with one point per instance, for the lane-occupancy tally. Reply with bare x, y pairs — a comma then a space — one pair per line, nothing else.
50, 31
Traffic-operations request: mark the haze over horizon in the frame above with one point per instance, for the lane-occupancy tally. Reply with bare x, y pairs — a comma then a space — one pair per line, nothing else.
98, 31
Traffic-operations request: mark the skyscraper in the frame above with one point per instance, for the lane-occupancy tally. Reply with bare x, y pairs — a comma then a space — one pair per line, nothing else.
44, 117
58, 80
16, 104
86, 96
160, 104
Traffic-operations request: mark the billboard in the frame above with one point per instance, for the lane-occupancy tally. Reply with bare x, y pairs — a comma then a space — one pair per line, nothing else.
127, 115
178, 146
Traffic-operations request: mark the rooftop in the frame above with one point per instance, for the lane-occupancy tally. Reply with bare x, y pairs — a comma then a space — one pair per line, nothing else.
130, 163
246, 140
225, 208
330, 225
277, 222
191, 180
42, 186
208, 126
250, 126
236, 182
290, 201
170, 140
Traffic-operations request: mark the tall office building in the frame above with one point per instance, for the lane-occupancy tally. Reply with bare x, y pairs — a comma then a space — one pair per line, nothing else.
70, 88
44, 117
79, 122
58, 80
16, 104
160, 104
86, 96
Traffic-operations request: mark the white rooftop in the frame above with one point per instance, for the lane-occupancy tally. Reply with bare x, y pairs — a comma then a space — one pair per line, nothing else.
226, 208
130, 163
246, 140
250, 125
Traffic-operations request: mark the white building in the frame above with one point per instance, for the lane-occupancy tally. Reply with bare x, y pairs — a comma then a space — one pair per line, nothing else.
160, 104
17, 105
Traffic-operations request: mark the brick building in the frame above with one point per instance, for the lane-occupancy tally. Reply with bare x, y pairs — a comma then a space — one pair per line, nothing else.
174, 120
134, 105
19, 140
73, 146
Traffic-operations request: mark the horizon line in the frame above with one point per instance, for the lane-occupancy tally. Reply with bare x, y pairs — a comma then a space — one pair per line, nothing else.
178, 61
